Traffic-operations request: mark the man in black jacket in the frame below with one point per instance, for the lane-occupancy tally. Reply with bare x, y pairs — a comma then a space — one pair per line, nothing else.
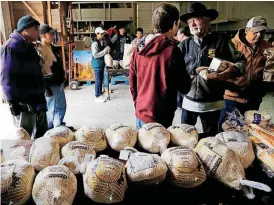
55, 94
118, 42
205, 98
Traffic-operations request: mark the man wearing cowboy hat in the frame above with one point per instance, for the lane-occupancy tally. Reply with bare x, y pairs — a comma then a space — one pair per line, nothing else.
205, 98
249, 89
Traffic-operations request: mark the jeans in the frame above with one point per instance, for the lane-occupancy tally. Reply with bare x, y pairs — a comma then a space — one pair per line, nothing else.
139, 123
242, 107
56, 106
106, 81
34, 123
99, 76
179, 99
209, 120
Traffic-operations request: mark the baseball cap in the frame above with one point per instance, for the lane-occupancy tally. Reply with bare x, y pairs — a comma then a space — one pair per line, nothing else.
45, 28
26, 22
257, 23
99, 30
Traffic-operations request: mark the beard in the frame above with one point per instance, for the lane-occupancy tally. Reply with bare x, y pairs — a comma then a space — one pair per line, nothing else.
196, 31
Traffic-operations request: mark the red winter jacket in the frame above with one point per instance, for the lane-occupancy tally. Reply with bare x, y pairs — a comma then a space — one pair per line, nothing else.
157, 72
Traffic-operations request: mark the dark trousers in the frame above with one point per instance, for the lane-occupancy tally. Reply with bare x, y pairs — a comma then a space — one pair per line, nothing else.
179, 100
99, 76
209, 121
252, 104
34, 123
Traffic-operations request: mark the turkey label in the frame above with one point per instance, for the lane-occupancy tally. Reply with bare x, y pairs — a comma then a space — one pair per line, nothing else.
212, 161
183, 154
151, 126
185, 128
117, 126
141, 162
232, 142
57, 172
84, 147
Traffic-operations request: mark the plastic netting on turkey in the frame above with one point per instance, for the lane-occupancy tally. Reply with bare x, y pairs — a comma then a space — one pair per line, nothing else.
61, 134
44, 152
54, 185
120, 136
154, 137
105, 180
185, 168
222, 163
17, 176
94, 137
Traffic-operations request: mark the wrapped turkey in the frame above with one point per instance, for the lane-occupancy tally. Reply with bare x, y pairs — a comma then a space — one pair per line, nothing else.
144, 167
257, 117
105, 180
240, 144
54, 185
222, 163
17, 178
61, 134
185, 168
108, 60
154, 137
266, 156
21, 134
184, 135
120, 136
16, 148
78, 150
94, 137
44, 152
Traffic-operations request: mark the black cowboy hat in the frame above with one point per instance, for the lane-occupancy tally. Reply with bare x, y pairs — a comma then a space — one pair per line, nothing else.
197, 9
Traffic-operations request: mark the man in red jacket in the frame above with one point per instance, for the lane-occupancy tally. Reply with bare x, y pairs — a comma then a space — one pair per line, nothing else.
157, 71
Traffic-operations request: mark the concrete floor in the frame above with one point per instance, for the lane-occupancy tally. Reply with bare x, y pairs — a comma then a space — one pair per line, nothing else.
81, 109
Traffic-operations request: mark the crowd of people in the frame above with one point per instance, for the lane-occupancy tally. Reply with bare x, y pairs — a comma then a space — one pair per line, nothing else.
164, 70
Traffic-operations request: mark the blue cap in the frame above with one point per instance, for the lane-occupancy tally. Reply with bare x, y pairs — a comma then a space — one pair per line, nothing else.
26, 22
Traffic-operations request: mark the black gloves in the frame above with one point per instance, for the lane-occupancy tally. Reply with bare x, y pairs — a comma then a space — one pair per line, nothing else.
49, 92
15, 108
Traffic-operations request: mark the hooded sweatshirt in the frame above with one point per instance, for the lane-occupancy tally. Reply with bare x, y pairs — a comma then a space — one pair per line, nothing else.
157, 71
21, 72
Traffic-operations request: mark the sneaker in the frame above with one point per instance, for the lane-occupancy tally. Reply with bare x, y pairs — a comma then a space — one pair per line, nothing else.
100, 99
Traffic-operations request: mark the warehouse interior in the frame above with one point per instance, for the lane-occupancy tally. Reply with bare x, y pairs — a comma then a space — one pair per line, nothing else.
198, 173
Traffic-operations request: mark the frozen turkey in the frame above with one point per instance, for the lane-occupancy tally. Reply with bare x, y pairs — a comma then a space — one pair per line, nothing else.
222, 163
185, 168
92, 136
44, 152
16, 148
72, 163
154, 137
240, 144
78, 150
54, 185
21, 134
257, 117
144, 167
17, 178
105, 180
120, 136
184, 135
61, 134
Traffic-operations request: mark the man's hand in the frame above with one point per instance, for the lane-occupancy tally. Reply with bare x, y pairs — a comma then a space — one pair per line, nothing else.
198, 70
14, 108
222, 76
107, 50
